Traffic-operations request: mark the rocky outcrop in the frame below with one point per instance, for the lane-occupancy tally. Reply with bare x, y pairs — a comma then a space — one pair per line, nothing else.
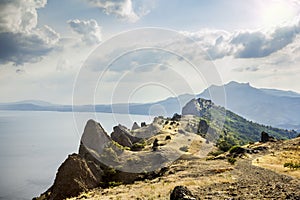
101, 161
123, 136
135, 126
181, 193
149, 130
176, 117
73, 177
197, 107
203, 127
94, 137
265, 137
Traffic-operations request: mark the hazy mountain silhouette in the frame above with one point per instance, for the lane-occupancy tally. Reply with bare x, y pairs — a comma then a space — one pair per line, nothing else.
267, 106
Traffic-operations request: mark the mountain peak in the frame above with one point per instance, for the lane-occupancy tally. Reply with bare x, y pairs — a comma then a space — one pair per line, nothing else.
235, 84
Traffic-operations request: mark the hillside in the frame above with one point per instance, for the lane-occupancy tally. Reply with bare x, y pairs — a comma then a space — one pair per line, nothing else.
227, 126
247, 179
266, 106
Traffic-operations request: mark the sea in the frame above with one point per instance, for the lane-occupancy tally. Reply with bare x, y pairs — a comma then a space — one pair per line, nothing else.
33, 144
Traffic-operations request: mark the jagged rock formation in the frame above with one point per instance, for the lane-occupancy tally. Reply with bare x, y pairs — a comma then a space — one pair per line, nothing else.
101, 160
197, 107
203, 127
123, 136
176, 117
73, 177
265, 137
135, 126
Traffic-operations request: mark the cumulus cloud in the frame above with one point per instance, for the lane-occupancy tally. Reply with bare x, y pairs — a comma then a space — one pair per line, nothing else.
246, 44
21, 41
89, 30
131, 10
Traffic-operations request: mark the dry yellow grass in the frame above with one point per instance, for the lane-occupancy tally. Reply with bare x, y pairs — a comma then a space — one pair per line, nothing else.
275, 161
160, 188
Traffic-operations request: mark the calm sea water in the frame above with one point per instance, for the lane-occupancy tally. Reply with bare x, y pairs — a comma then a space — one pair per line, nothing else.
34, 144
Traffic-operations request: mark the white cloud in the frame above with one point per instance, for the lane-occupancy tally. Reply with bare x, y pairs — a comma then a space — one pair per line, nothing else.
130, 10
19, 15
21, 40
89, 30
246, 43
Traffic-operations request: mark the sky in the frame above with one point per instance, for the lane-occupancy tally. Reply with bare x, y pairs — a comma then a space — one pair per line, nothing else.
96, 51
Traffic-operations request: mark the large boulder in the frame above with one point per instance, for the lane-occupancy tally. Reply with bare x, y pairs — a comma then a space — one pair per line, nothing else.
94, 138
265, 137
72, 178
123, 136
181, 193
203, 127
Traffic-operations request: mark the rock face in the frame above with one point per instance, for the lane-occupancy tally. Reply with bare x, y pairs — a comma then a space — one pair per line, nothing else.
176, 117
203, 127
135, 126
266, 138
123, 136
197, 107
101, 162
181, 193
94, 137
73, 177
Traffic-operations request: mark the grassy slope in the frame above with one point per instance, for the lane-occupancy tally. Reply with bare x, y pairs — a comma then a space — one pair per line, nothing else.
237, 130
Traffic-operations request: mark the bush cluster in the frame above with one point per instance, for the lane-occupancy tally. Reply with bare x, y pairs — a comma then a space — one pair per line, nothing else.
292, 165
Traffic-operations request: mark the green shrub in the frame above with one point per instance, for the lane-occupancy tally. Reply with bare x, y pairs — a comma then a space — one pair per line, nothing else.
292, 165
215, 153
236, 149
231, 160
138, 146
114, 183
120, 146
224, 145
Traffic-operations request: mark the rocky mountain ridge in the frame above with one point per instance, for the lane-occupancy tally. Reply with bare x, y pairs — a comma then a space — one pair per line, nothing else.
105, 160
146, 151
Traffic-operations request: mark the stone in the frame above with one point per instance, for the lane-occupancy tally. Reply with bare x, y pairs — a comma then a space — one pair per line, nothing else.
155, 144
203, 127
168, 137
181, 193
94, 137
123, 136
135, 126
176, 117
265, 137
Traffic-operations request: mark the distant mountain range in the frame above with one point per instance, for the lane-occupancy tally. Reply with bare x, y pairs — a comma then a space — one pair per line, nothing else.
267, 106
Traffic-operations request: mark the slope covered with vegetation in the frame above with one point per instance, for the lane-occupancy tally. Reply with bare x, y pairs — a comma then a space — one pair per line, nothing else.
232, 129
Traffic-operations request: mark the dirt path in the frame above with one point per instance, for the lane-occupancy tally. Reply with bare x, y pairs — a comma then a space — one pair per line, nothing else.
253, 182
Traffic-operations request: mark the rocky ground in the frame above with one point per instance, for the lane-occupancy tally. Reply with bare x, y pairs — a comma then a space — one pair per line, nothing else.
214, 179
